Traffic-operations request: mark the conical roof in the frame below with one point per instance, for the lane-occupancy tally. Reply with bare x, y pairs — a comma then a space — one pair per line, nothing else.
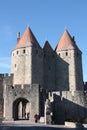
28, 39
66, 42
47, 47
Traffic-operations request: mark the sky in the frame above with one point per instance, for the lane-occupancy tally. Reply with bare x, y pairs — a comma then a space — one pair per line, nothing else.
47, 19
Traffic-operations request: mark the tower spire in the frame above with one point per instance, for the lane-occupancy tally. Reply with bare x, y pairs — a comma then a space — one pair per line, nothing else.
28, 39
66, 42
47, 47
18, 37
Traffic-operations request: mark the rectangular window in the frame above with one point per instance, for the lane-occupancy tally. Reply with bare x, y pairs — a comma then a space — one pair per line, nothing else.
23, 51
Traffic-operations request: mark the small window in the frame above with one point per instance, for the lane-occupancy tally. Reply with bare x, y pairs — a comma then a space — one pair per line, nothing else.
17, 52
66, 53
13, 54
23, 51
15, 65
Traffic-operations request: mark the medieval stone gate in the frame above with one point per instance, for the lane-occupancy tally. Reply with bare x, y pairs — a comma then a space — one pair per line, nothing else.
21, 109
21, 103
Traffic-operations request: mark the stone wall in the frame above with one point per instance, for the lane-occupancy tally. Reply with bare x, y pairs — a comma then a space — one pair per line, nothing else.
17, 93
68, 105
7, 82
21, 65
27, 66
78, 70
37, 66
1, 96
62, 73
69, 74
49, 71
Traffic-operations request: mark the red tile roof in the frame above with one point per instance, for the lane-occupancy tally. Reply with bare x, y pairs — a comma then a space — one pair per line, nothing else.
47, 47
28, 39
66, 42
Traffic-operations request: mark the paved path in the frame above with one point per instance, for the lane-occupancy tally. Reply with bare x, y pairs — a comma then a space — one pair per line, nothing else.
27, 125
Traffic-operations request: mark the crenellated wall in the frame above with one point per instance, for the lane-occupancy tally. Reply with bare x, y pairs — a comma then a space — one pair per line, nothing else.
19, 93
68, 106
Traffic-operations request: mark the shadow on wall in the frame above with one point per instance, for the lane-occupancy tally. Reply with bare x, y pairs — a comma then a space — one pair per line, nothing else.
65, 110
56, 73
62, 74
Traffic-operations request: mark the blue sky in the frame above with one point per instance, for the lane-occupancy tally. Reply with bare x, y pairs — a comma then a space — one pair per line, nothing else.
47, 19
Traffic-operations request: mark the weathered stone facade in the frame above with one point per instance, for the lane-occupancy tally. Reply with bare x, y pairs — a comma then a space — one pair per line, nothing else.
40, 73
25, 94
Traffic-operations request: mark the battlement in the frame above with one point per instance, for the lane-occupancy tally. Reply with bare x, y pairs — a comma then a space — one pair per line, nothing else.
25, 86
1, 75
75, 96
20, 90
7, 75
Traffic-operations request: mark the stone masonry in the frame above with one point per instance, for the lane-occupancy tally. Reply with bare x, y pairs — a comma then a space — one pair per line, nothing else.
40, 73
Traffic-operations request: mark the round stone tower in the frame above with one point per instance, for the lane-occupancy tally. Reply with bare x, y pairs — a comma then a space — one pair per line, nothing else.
27, 60
68, 64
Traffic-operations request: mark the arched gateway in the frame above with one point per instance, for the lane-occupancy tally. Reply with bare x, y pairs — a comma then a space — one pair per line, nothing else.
21, 109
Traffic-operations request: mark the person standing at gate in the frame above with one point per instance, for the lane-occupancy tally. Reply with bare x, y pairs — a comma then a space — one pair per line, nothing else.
35, 118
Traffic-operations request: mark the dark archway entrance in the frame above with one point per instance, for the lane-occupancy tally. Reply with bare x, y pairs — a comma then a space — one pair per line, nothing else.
21, 109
